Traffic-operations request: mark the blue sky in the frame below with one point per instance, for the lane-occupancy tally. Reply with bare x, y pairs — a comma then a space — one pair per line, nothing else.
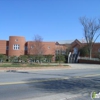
51, 19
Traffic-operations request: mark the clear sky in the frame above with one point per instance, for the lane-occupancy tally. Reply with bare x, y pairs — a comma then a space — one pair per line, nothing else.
51, 19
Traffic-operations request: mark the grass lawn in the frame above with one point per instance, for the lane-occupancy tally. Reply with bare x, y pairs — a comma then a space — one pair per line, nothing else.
31, 65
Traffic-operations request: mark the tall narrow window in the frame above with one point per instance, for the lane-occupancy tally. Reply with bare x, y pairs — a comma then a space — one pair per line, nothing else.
75, 50
99, 50
7, 47
25, 48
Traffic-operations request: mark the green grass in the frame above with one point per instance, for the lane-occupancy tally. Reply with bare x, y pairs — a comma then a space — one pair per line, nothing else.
28, 65
10, 65
37, 65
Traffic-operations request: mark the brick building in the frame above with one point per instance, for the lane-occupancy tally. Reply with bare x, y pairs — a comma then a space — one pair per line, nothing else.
77, 44
17, 45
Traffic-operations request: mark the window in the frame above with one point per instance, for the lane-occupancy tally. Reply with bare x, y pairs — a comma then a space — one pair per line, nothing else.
7, 47
56, 51
16, 40
16, 47
99, 50
63, 52
48, 47
75, 50
32, 47
25, 48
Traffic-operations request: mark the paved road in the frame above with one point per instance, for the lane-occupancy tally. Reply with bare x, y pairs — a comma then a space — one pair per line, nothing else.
49, 84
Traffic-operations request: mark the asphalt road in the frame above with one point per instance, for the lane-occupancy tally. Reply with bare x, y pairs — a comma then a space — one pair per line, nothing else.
20, 85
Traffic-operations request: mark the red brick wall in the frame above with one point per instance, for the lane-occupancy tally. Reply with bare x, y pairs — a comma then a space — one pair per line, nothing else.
16, 40
61, 47
95, 49
48, 48
3, 44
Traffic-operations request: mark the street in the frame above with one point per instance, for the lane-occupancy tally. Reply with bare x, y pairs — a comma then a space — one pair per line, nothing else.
21, 85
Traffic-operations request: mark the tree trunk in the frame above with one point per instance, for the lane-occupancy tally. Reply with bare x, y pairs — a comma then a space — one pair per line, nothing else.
90, 52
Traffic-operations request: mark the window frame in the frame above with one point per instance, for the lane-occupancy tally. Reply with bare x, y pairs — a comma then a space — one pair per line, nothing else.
16, 47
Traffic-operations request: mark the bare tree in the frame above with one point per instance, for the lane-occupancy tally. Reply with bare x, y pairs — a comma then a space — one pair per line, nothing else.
36, 47
91, 28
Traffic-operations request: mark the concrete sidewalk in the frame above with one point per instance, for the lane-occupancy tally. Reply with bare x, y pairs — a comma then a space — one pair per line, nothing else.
83, 66
71, 66
64, 96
